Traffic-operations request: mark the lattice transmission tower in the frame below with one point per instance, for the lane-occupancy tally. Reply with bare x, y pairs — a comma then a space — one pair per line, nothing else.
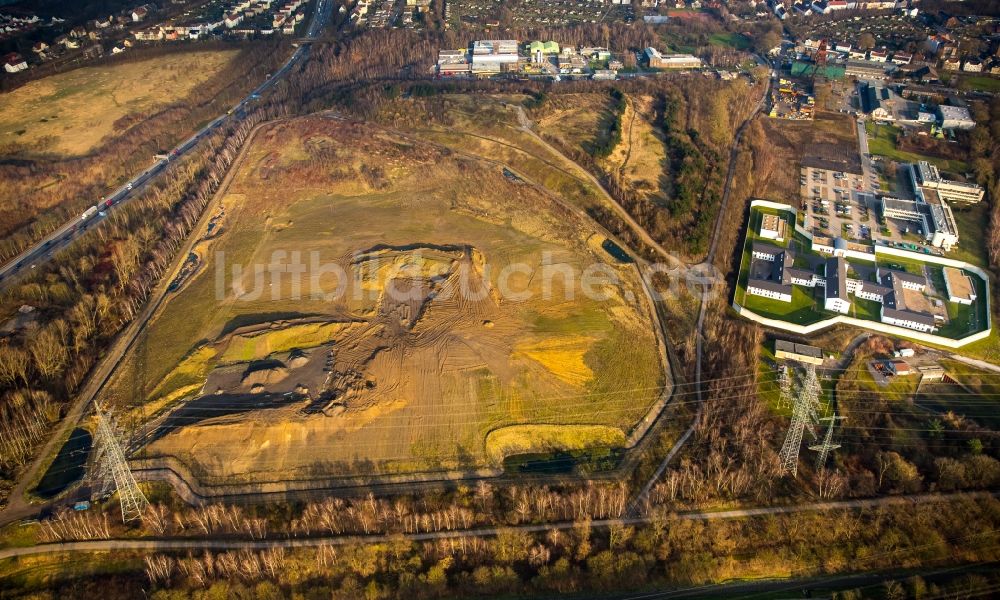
803, 415
827, 445
114, 472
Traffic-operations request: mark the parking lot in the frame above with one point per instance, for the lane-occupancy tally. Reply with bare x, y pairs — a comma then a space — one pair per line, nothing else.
838, 204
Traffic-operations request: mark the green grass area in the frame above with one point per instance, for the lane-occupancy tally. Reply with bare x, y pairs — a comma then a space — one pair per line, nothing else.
982, 83
801, 310
865, 309
734, 40
971, 221
768, 387
882, 140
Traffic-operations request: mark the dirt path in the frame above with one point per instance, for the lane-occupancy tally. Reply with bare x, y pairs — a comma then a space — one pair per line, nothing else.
641, 500
218, 543
630, 142
638, 229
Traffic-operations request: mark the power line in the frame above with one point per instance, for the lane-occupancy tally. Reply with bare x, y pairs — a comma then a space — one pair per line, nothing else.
827, 445
115, 472
803, 415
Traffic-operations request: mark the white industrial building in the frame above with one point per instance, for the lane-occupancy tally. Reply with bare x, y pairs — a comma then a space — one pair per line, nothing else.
494, 51
955, 117
925, 176
929, 208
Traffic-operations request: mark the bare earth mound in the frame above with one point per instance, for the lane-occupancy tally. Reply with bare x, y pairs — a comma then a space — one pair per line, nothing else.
443, 324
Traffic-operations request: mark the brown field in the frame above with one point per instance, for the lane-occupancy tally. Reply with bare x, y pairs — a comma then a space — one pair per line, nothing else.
640, 158
573, 120
831, 136
70, 113
251, 383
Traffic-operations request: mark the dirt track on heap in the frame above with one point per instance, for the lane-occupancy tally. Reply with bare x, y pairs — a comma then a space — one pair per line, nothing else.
414, 384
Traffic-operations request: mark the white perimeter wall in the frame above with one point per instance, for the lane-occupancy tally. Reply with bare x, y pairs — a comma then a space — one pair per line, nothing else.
864, 323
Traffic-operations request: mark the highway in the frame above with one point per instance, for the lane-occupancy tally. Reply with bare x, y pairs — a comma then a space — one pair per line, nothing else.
18, 506
64, 235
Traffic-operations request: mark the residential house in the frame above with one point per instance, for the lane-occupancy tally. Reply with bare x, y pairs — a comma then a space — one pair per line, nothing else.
820, 7
140, 13
879, 55
902, 58
14, 62
151, 34
39, 47
973, 65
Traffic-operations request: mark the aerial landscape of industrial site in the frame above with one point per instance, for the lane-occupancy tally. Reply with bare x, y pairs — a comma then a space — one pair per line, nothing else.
488, 298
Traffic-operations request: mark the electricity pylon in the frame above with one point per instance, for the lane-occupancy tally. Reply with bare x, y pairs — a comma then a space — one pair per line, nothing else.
827, 444
803, 414
785, 381
114, 470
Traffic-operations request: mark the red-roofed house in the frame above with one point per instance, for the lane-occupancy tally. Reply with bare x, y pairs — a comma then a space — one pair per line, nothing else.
14, 62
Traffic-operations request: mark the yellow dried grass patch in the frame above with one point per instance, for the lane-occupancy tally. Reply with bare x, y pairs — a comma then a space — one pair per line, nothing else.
562, 356
525, 439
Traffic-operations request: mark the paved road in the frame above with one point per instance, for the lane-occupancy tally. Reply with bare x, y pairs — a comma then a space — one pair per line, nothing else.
312, 542
18, 507
870, 179
43, 251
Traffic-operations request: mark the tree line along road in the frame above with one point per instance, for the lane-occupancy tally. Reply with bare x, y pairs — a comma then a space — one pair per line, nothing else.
111, 545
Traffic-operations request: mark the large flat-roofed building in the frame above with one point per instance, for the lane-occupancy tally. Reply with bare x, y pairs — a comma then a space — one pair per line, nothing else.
954, 117
930, 209
452, 56
925, 176
959, 286
657, 60
867, 69
785, 350
772, 227
494, 51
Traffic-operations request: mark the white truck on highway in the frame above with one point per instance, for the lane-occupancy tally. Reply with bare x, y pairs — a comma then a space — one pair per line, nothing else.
89, 213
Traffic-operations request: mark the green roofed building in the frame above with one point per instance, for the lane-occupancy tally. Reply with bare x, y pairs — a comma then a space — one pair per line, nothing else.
543, 47
804, 69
